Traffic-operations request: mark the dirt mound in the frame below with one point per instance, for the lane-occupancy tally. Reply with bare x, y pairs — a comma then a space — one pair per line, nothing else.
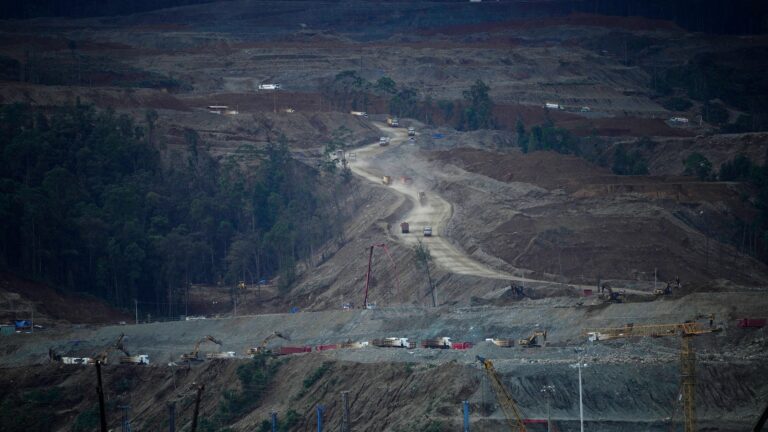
549, 170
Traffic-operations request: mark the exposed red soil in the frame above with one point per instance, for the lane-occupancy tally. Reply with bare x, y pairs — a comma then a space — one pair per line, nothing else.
576, 19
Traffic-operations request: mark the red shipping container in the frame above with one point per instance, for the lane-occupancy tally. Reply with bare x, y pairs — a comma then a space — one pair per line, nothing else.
326, 347
461, 345
752, 322
587, 292
285, 350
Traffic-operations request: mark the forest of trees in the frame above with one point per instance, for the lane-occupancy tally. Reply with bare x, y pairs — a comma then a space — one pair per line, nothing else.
92, 202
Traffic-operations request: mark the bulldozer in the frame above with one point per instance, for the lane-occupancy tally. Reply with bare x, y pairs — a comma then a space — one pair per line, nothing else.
193, 356
262, 348
533, 341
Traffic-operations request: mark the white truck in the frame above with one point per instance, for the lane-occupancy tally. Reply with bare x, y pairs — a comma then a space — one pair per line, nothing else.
359, 113
393, 122
427, 231
550, 105
411, 131
384, 141
269, 86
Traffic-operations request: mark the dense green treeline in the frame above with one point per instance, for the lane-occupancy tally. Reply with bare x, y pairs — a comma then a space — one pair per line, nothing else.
90, 203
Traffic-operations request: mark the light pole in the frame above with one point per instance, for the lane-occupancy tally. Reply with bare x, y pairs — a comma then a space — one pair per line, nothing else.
578, 366
548, 391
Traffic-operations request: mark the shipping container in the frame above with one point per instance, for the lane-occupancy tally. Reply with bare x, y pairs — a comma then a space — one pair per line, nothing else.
405, 228
752, 322
461, 345
285, 350
326, 347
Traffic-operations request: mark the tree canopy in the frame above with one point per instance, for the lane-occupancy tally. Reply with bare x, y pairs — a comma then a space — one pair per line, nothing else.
88, 203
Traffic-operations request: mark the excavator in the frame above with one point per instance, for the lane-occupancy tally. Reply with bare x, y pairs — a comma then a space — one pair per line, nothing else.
532, 341
193, 356
262, 348
611, 296
104, 354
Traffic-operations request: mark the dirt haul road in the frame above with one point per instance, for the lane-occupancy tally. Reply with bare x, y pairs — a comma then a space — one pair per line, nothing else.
434, 212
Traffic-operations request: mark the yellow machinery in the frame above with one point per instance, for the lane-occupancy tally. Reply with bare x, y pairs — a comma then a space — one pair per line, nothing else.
533, 340
263, 345
508, 405
687, 354
118, 345
192, 356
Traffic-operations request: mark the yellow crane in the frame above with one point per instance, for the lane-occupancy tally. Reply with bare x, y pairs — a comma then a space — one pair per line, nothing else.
193, 355
508, 405
686, 331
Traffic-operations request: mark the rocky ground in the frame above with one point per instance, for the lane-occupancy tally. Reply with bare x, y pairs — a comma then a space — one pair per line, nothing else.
554, 223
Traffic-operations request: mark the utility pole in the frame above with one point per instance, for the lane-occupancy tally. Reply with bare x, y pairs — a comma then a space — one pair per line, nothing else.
100, 393
197, 407
136, 309
32, 325
172, 417
345, 426
466, 415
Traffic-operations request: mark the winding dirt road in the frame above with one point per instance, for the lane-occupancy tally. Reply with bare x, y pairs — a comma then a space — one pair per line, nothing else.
435, 212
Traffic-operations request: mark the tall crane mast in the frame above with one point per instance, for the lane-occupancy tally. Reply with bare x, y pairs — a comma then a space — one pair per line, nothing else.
508, 405
686, 331
369, 272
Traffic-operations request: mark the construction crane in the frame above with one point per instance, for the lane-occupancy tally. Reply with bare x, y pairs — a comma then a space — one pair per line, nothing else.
117, 345
261, 349
533, 340
192, 356
687, 354
508, 405
369, 273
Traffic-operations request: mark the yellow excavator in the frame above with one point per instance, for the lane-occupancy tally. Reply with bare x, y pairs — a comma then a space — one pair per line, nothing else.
193, 356
104, 354
262, 348
533, 341
508, 405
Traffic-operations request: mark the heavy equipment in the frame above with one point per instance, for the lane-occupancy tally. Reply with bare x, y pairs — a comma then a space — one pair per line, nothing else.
611, 296
193, 356
504, 343
386, 180
508, 405
393, 342
439, 342
104, 354
533, 341
686, 331
262, 348
393, 122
